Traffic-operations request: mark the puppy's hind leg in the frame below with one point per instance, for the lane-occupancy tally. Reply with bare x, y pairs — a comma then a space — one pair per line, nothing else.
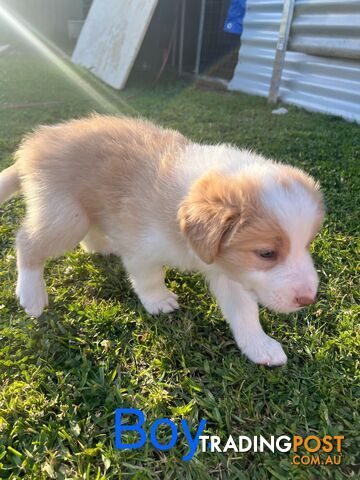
148, 283
49, 230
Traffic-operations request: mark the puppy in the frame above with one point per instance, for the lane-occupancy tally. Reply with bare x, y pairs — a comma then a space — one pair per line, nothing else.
151, 196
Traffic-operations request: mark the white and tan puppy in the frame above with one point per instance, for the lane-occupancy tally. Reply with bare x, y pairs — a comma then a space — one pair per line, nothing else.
151, 196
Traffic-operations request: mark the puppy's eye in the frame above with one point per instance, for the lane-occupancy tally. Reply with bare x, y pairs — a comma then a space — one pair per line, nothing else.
267, 254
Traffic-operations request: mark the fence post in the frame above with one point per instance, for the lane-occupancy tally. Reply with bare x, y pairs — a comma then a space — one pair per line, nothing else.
182, 31
281, 48
200, 37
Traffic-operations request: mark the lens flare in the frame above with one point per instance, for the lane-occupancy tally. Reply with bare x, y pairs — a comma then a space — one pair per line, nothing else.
58, 58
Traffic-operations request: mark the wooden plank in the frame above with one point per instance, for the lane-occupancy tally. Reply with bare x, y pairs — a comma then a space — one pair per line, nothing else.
111, 38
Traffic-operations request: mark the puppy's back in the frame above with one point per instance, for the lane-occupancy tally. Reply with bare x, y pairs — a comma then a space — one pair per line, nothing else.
99, 159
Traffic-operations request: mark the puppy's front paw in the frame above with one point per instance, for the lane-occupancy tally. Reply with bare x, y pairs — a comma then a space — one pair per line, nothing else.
165, 302
32, 295
265, 351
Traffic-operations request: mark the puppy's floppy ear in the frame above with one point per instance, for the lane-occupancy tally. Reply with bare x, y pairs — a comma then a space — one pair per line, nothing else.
209, 214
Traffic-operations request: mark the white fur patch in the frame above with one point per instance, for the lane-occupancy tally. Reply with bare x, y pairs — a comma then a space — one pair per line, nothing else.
30, 290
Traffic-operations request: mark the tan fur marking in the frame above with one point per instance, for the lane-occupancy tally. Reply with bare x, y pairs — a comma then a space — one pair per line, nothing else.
209, 213
106, 165
224, 219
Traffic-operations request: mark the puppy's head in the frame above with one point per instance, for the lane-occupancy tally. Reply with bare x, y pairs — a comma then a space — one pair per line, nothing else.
257, 228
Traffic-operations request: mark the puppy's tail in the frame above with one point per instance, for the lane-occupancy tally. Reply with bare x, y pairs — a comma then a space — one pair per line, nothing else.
9, 183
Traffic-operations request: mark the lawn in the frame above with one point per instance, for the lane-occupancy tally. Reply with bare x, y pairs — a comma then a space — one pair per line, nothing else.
95, 348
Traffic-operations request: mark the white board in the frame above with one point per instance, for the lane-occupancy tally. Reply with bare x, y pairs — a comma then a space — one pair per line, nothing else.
111, 38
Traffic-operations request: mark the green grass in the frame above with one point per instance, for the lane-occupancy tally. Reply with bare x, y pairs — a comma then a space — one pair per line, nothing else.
96, 348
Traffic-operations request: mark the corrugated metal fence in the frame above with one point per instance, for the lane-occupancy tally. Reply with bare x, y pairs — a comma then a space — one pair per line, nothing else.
322, 64
328, 28
49, 17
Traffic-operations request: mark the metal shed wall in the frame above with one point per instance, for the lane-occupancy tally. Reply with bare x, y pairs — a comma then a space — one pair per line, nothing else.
328, 84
